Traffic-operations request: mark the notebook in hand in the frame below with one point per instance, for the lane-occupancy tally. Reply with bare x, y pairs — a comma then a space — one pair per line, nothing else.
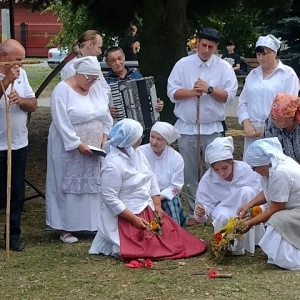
97, 151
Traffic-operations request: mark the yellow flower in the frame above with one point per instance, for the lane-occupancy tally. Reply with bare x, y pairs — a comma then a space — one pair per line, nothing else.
153, 225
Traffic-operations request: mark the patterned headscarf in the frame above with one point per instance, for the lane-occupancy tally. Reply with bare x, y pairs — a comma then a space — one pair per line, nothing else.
286, 106
269, 41
265, 151
125, 134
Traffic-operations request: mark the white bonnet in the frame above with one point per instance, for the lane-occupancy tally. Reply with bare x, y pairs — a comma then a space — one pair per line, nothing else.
88, 65
167, 130
220, 149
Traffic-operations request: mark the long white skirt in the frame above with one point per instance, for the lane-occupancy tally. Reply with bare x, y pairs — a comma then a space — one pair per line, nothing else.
227, 209
280, 252
69, 212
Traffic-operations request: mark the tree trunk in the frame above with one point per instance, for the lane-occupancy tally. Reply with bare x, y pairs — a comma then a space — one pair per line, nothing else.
163, 43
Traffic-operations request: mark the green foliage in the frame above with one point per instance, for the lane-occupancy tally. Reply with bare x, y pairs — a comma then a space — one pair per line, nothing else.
74, 22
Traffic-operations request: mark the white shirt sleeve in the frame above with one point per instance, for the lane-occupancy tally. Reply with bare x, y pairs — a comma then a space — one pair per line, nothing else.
242, 109
203, 196
177, 181
174, 82
154, 187
104, 84
279, 187
28, 91
111, 183
231, 85
292, 84
66, 72
61, 119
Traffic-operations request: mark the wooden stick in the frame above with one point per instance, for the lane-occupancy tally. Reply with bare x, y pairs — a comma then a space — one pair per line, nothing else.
198, 139
15, 62
8, 179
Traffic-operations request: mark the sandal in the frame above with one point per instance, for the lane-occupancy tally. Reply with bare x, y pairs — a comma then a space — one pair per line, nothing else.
68, 238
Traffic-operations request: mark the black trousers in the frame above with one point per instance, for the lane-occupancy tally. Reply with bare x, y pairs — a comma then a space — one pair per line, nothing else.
17, 187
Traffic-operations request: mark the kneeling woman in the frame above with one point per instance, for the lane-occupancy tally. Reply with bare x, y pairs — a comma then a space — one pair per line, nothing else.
227, 185
281, 191
130, 197
167, 165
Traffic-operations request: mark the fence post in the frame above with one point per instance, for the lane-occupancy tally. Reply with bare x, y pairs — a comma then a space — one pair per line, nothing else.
23, 35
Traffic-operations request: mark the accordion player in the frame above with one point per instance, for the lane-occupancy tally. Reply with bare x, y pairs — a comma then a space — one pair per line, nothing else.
136, 99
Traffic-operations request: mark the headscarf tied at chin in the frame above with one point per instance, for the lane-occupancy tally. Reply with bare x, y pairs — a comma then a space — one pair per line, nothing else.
125, 134
220, 149
269, 41
286, 106
167, 131
264, 152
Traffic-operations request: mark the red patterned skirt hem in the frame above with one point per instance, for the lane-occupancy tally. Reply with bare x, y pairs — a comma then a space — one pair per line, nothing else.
174, 243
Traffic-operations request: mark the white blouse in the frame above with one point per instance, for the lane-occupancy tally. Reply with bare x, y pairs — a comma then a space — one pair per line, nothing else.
124, 186
168, 169
218, 74
284, 184
68, 108
258, 93
212, 188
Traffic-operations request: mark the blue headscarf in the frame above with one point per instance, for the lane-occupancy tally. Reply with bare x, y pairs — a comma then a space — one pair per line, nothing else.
125, 134
264, 152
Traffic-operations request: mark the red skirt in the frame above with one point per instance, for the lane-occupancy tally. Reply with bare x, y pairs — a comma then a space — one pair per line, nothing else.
174, 242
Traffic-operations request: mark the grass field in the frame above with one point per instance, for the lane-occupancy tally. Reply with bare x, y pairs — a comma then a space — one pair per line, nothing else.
49, 269
37, 74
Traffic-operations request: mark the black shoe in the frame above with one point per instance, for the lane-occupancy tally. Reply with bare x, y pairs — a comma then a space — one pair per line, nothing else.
15, 245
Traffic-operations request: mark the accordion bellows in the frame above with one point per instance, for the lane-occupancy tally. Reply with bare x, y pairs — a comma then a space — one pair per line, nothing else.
135, 99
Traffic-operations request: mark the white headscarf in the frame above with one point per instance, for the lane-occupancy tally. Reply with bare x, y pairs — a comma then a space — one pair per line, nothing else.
269, 41
167, 131
125, 134
264, 152
88, 65
220, 149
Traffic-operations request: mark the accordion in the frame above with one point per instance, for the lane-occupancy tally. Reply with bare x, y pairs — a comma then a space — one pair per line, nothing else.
135, 99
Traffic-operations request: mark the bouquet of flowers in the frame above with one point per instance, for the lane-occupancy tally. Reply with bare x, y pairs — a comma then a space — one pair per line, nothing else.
225, 238
153, 228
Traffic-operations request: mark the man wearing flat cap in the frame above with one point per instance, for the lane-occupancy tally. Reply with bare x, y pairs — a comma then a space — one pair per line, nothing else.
213, 79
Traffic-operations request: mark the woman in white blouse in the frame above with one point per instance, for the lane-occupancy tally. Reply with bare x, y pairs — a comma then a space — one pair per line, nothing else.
167, 165
79, 110
281, 192
227, 185
261, 87
130, 196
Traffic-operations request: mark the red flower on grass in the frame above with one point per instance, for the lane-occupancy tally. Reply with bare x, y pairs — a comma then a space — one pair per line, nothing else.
212, 274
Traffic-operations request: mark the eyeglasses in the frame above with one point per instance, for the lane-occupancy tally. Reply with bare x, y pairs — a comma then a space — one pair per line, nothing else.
91, 80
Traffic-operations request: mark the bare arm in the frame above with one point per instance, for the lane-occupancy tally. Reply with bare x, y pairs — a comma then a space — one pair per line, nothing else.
265, 216
219, 95
237, 67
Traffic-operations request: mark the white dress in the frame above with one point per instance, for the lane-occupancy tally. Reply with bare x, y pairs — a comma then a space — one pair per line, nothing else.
222, 198
282, 186
68, 71
122, 186
72, 183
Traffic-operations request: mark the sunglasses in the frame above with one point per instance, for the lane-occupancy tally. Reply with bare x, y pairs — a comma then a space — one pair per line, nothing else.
91, 80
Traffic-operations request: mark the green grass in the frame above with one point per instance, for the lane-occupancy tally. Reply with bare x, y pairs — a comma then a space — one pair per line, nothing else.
49, 269
37, 74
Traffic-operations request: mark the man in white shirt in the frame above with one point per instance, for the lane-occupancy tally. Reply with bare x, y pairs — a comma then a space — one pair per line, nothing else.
208, 76
22, 100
